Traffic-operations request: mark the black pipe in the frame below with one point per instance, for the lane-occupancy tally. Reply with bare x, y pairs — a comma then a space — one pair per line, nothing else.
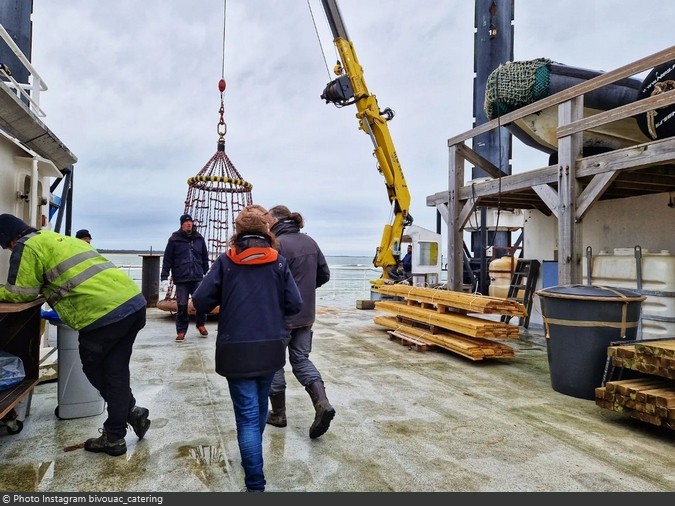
150, 279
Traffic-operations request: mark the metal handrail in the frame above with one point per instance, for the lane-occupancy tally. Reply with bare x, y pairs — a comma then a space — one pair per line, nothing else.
36, 86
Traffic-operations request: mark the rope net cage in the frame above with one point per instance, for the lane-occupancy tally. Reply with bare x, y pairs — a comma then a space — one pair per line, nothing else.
215, 196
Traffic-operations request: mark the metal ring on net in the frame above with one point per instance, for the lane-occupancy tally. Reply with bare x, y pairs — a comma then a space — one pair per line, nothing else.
199, 182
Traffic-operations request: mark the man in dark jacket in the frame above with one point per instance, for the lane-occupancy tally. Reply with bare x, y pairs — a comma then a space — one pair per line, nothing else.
187, 260
310, 271
255, 290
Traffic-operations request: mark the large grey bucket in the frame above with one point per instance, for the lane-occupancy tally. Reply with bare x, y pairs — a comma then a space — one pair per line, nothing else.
580, 323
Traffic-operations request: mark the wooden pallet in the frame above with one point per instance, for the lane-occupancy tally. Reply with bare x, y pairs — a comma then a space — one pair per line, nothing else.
410, 341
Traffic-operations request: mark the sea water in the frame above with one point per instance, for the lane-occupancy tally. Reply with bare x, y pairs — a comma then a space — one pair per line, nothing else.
349, 275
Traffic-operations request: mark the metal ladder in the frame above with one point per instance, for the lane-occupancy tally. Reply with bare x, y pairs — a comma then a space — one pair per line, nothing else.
524, 278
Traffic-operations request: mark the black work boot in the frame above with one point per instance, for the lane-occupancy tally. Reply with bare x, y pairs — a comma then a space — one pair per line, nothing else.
277, 416
101, 444
138, 420
324, 411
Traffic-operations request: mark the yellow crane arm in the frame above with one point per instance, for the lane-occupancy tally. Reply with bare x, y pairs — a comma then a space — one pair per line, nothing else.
350, 88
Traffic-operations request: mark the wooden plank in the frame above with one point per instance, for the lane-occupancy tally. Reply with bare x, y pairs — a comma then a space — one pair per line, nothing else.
462, 324
472, 348
444, 299
12, 307
623, 386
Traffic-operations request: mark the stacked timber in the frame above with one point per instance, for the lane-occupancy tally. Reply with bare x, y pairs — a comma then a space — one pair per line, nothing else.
439, 317
418, 337
462, 324
650, 399
650, 357
447, 299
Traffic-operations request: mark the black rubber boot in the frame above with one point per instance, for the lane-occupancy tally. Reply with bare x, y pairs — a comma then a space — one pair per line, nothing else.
138, 420
324, 411
102, 444
277, 416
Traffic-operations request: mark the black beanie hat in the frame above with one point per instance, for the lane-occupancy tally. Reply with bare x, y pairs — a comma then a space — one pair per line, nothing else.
10, 228
184, 218
81, 234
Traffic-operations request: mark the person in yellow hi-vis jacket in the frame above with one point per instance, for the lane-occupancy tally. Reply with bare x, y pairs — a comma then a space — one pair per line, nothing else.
96, 298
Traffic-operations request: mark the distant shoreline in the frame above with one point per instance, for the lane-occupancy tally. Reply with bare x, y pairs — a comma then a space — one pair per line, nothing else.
129, 252
160, 253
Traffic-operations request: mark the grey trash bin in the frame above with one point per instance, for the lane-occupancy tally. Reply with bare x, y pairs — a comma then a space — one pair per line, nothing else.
581, 321
77, 398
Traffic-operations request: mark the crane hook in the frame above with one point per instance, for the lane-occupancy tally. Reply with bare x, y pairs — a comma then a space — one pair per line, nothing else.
388, 114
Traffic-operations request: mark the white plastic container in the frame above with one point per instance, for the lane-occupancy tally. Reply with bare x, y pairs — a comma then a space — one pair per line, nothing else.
77, 397
500, 271
620, 269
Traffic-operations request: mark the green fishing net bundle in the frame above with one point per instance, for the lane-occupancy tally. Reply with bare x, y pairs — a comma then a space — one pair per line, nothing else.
513, 85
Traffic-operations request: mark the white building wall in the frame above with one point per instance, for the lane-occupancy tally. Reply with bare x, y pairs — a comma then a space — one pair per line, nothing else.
646, 221
16, 165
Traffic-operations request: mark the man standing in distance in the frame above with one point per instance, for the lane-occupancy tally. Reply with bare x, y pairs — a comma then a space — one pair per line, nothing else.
84, 235
310, 271
187, 260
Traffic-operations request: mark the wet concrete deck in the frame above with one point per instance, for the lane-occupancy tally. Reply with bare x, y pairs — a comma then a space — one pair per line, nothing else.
407, 421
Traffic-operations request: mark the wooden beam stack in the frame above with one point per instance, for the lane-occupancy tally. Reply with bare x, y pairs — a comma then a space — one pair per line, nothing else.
444, 300
650, 357
440, 317
459, 323
471, 348
650, 399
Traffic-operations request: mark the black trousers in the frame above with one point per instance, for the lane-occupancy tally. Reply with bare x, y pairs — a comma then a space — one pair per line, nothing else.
105, 353
183, 292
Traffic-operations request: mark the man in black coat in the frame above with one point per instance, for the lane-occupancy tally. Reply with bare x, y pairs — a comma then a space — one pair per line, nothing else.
186, 259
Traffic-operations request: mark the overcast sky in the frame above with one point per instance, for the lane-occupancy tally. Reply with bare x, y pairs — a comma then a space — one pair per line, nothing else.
133, 94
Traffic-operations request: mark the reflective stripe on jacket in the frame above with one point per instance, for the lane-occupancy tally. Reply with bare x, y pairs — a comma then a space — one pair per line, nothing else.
80, 284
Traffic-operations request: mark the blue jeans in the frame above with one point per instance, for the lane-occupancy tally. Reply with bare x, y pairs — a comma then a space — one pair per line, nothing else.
249, 400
